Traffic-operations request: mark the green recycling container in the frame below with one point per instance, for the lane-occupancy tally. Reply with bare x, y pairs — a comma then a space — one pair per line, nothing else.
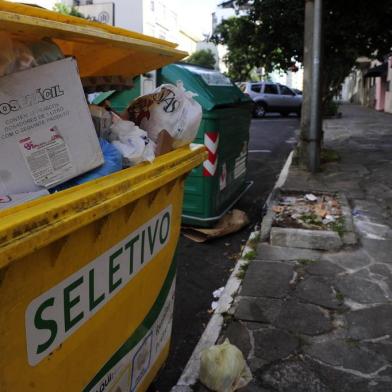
214, 187
119, 100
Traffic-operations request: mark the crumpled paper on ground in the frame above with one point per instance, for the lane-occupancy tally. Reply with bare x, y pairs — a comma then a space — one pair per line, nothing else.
232, 222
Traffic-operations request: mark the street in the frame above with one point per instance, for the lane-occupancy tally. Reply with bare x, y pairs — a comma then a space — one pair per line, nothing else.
203, 268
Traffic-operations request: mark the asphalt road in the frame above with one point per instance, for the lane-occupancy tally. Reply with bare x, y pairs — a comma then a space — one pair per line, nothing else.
203, 268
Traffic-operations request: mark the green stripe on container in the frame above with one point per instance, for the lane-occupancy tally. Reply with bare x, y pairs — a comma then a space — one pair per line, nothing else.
140, 332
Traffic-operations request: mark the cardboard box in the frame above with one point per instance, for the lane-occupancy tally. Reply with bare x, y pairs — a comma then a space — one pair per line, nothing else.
46, 132
8, 201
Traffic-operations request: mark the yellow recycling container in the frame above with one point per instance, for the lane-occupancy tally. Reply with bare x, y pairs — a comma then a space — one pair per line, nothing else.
87, 274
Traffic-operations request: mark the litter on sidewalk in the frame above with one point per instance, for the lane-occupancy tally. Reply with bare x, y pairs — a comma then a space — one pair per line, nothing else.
232, 222
309, 211
223, 368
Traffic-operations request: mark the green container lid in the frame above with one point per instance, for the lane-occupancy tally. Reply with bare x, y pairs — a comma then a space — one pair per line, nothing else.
213, 89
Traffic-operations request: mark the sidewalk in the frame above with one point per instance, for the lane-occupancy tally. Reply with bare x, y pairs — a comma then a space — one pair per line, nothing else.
312, 321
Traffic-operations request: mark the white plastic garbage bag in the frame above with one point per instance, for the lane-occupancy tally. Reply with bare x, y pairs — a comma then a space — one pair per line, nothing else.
171, 108
132, 142
223, 368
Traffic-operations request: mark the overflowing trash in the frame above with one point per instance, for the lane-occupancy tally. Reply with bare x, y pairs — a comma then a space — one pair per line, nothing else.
18, 56
307, 211
132, 142
51, 139
169, 108
113, 162
223, 368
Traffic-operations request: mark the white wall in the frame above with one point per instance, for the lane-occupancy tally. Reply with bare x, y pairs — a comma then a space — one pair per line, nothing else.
187, 42
48, 4
290, 79
128, 14
388, 94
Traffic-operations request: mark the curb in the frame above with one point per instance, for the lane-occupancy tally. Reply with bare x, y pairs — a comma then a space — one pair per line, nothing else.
211, 334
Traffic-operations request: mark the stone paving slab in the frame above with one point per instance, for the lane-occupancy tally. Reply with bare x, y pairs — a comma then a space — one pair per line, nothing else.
379, 250
260, 310
346, 354
303, 318
293, 375
370, 323
339, 380
360, 290
382, 347
318, 291
271, 344
268, 279
324, 268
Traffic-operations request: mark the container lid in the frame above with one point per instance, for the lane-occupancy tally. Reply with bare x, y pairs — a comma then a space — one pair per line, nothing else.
213, 88
100, 49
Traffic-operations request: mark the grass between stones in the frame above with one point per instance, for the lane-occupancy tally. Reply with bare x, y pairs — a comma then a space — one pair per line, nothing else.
252, 243
328, 155
250, 255
242, 271
339, 226
339, 296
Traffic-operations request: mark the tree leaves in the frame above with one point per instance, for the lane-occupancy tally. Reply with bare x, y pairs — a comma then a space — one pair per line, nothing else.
202, 57
269, 34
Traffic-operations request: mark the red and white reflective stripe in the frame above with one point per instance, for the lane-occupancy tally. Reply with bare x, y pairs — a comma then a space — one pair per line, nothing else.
211, 141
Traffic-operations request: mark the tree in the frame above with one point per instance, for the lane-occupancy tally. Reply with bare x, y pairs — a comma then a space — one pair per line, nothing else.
203, 57
270, 35
67, 10
240, 58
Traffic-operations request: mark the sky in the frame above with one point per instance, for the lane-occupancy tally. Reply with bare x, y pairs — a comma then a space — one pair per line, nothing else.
195, 15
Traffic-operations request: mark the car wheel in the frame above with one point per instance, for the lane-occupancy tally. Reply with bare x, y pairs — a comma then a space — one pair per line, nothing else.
299, 111
259, 110
284, 114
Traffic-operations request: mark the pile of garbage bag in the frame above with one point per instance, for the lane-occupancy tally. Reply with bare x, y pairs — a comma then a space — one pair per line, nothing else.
60, 141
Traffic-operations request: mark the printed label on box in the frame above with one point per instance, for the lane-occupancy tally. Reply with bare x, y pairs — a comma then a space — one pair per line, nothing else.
47, 156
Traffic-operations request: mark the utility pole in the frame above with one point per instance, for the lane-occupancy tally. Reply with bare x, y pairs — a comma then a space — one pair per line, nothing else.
315, 130
311, 122
307, 83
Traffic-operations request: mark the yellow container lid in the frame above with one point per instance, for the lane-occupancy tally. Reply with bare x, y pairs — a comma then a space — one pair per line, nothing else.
100, 49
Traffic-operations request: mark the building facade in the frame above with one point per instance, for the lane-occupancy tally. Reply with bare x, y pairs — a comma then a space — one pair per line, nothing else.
370, 84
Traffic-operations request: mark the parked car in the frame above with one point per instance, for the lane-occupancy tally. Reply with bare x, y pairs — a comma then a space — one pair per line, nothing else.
272, 97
